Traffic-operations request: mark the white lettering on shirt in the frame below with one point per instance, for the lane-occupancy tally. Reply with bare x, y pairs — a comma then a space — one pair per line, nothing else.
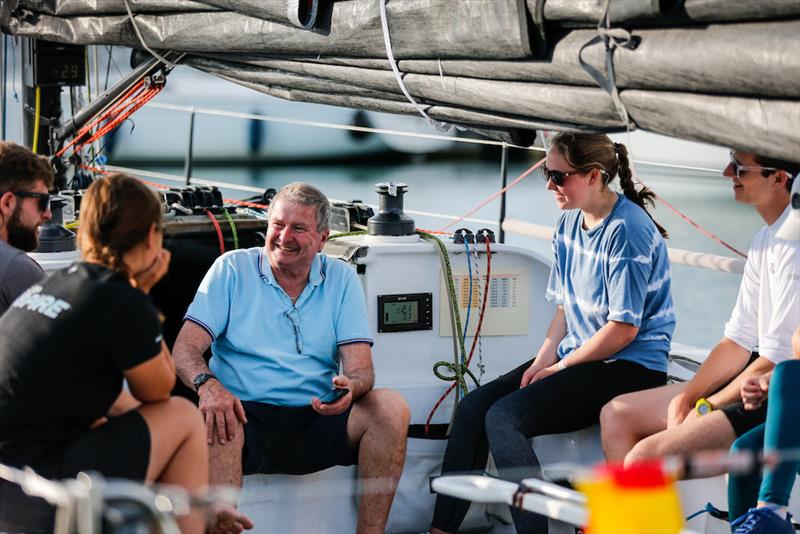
34, 300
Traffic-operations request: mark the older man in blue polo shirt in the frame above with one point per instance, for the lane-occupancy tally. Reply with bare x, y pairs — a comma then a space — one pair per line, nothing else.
279, 320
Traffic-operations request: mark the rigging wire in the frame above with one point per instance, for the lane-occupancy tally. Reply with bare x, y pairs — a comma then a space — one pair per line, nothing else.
493, 196
466, 369
36, 117
217, 227
481, 297
469, 302
233, 228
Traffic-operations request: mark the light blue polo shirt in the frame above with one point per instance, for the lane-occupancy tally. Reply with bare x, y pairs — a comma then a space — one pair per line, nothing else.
266, 349
617, 271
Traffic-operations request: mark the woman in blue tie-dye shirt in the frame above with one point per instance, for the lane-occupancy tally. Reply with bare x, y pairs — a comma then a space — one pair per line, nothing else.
610, 334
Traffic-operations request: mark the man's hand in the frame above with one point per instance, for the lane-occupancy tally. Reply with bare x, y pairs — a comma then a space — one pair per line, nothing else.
145, 280
679, 407
335, 408
221, 411
755, 390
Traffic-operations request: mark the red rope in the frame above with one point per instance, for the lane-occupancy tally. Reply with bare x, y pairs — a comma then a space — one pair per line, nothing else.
691, 222
493, 196
130, 102
219, 231
102, 116
474, 338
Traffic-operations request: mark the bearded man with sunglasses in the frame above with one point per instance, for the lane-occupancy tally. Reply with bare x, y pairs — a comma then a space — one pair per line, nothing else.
25, 180
706, 412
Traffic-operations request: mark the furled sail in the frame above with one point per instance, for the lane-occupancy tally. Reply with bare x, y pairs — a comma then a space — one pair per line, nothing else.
719, 71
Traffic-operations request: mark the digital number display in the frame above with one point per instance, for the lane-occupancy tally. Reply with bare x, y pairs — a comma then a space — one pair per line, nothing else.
405, 312
401, 312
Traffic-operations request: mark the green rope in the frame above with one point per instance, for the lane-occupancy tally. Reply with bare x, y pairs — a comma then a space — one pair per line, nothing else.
452, 368
345, 234
233, 228
459, 365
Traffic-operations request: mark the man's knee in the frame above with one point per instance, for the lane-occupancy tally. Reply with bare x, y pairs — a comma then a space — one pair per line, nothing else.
613, 417
644, 450
386, 408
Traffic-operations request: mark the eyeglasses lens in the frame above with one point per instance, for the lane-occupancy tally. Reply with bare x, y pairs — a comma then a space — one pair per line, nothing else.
557, 177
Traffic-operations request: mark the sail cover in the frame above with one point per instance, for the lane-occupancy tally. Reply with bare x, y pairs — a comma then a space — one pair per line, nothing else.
719, 71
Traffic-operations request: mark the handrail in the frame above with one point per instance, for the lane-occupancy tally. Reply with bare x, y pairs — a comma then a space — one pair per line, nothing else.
676, 255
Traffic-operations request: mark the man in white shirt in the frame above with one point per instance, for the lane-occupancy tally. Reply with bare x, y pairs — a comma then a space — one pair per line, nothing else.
706, 412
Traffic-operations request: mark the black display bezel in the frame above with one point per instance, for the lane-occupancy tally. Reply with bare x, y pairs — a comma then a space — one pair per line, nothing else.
424, 321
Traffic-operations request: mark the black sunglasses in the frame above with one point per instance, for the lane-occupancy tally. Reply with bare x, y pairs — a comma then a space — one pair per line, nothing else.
557, 177
44, 198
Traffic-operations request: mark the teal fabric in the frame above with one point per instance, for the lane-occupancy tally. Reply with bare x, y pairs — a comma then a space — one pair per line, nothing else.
781, 431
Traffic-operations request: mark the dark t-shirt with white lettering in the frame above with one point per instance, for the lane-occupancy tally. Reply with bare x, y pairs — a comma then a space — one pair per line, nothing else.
64, 345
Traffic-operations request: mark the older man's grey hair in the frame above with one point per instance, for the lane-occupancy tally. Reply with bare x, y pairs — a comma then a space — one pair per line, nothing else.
307, 195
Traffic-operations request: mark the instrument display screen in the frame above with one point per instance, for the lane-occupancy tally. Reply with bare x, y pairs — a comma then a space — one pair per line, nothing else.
405, 312
401, 312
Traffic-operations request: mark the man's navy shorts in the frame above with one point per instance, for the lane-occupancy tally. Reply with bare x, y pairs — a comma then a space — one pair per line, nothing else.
294, 440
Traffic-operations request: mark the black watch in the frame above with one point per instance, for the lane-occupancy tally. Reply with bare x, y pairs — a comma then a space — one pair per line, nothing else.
201, 379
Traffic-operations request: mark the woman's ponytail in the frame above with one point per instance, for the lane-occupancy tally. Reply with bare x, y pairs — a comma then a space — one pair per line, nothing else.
643, 197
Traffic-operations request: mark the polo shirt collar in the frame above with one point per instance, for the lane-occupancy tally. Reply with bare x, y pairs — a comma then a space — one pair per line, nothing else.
315, 276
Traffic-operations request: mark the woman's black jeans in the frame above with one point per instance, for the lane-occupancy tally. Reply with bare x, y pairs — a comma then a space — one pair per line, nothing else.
501, 417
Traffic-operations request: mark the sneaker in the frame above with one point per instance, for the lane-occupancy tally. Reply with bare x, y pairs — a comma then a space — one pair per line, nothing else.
762, 521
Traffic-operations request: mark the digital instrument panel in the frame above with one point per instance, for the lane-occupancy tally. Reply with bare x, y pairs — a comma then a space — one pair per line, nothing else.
405, 312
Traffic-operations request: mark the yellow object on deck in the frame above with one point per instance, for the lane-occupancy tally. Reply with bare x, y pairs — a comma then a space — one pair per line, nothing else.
637, 500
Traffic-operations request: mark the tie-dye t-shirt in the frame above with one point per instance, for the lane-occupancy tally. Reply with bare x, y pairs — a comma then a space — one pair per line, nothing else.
617, 271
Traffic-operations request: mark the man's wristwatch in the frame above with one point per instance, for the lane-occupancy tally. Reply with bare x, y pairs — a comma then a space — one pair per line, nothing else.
703, 407
201, 379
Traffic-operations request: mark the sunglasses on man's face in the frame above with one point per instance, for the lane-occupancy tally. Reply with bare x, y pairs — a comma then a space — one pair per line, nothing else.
738, 168
43, 198
557, 177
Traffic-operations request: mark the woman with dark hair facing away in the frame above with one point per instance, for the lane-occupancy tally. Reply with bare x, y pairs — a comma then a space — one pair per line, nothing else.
67, 343
610, 333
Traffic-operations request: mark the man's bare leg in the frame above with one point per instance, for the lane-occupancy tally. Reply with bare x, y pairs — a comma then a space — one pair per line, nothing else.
709, 432
378, 423
628, 418
225, 461
225, 469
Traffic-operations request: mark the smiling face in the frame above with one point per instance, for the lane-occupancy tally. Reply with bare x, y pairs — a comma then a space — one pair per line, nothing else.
751, 187
292, 237
23, 221
574, 192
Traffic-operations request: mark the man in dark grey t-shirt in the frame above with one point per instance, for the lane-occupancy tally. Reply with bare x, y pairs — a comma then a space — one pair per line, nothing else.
25, 181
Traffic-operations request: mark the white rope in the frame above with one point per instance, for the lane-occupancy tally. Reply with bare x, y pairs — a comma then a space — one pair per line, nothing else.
676, 255
439, 125
163, 60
